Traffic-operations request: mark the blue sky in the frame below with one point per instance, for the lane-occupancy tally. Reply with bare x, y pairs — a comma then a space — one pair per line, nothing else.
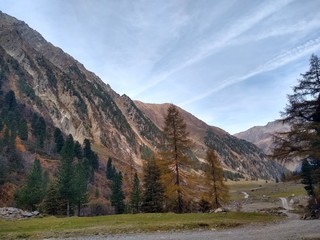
230, 63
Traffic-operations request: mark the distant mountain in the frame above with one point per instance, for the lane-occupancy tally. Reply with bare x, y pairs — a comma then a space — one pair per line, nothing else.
262, 136
52, 84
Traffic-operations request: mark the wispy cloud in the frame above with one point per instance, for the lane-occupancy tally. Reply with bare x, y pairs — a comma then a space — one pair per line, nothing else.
213, 44
276, 62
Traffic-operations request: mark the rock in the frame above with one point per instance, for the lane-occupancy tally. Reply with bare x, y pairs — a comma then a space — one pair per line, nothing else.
15, 213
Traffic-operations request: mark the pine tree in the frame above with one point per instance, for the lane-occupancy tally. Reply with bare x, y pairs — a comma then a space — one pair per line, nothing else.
90, 155
23, 129
53, 204
58, 139
306, 172
117, 195
175, 158
33, 193
153, 194
81, 180
110, 170
135, 198
65, 182
303, 115
78, 150
218, 191
3, 170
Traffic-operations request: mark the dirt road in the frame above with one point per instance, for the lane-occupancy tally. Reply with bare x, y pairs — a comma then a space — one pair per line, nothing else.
291, 229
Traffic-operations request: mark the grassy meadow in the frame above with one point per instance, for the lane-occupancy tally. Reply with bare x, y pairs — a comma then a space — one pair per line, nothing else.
48, 227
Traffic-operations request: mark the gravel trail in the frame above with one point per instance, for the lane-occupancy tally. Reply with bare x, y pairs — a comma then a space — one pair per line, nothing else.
291, 229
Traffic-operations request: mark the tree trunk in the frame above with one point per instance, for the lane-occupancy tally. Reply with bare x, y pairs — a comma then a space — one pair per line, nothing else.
68, 209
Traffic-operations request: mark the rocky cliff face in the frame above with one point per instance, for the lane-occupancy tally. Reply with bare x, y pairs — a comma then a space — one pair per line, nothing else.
237, 154
59, 88
262, 136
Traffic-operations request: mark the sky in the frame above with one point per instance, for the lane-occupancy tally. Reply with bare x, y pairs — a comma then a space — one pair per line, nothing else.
231, 63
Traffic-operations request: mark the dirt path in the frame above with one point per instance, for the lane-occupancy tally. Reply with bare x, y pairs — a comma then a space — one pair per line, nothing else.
290, 229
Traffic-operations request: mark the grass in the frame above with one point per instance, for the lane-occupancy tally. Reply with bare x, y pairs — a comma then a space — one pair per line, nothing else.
48, 227
258, 189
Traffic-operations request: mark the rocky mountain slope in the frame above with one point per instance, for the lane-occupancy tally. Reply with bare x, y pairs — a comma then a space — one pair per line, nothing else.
237, 154
262, 136
60, 89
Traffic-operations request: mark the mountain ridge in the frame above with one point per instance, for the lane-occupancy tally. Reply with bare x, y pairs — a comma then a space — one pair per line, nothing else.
59, 88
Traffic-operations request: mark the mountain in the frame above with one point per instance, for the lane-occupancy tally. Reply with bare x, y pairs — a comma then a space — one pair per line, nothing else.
262, 136
237, 154
52, 84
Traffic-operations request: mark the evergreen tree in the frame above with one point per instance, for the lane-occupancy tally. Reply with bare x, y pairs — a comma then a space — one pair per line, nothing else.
110, 170
38, 125
81, 180
135, 198
175, 158
303, 115
10, 100
218, 191
78, 150
53, 204
58, 139
90, 155
23, 129
117, 195
3, 170
153, 194
306, 172
65, 182
33, 193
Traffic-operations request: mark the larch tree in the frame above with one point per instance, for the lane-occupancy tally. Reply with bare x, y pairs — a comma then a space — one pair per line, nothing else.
174, 158
302, 113
218, 192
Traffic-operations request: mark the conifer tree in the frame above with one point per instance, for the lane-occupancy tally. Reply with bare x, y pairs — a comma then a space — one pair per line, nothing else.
135, 198
53, 204
218, 191
58, 139
117, 195
174, 158
65, 181
78, 150
153, 193
306, 172
90, 155
33, 193
81, 179
303, 115
3, 170
110, 170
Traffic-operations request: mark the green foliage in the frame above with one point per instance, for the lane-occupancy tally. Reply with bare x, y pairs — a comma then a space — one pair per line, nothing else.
117, 194
153, 194
81, 180
53, 204
65, 181
306, 172
90, 155
3, 170
10, 101
78, 150
39, 130
146, 152
23, 129
110, 170
31, 195
58, 139
135, 198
